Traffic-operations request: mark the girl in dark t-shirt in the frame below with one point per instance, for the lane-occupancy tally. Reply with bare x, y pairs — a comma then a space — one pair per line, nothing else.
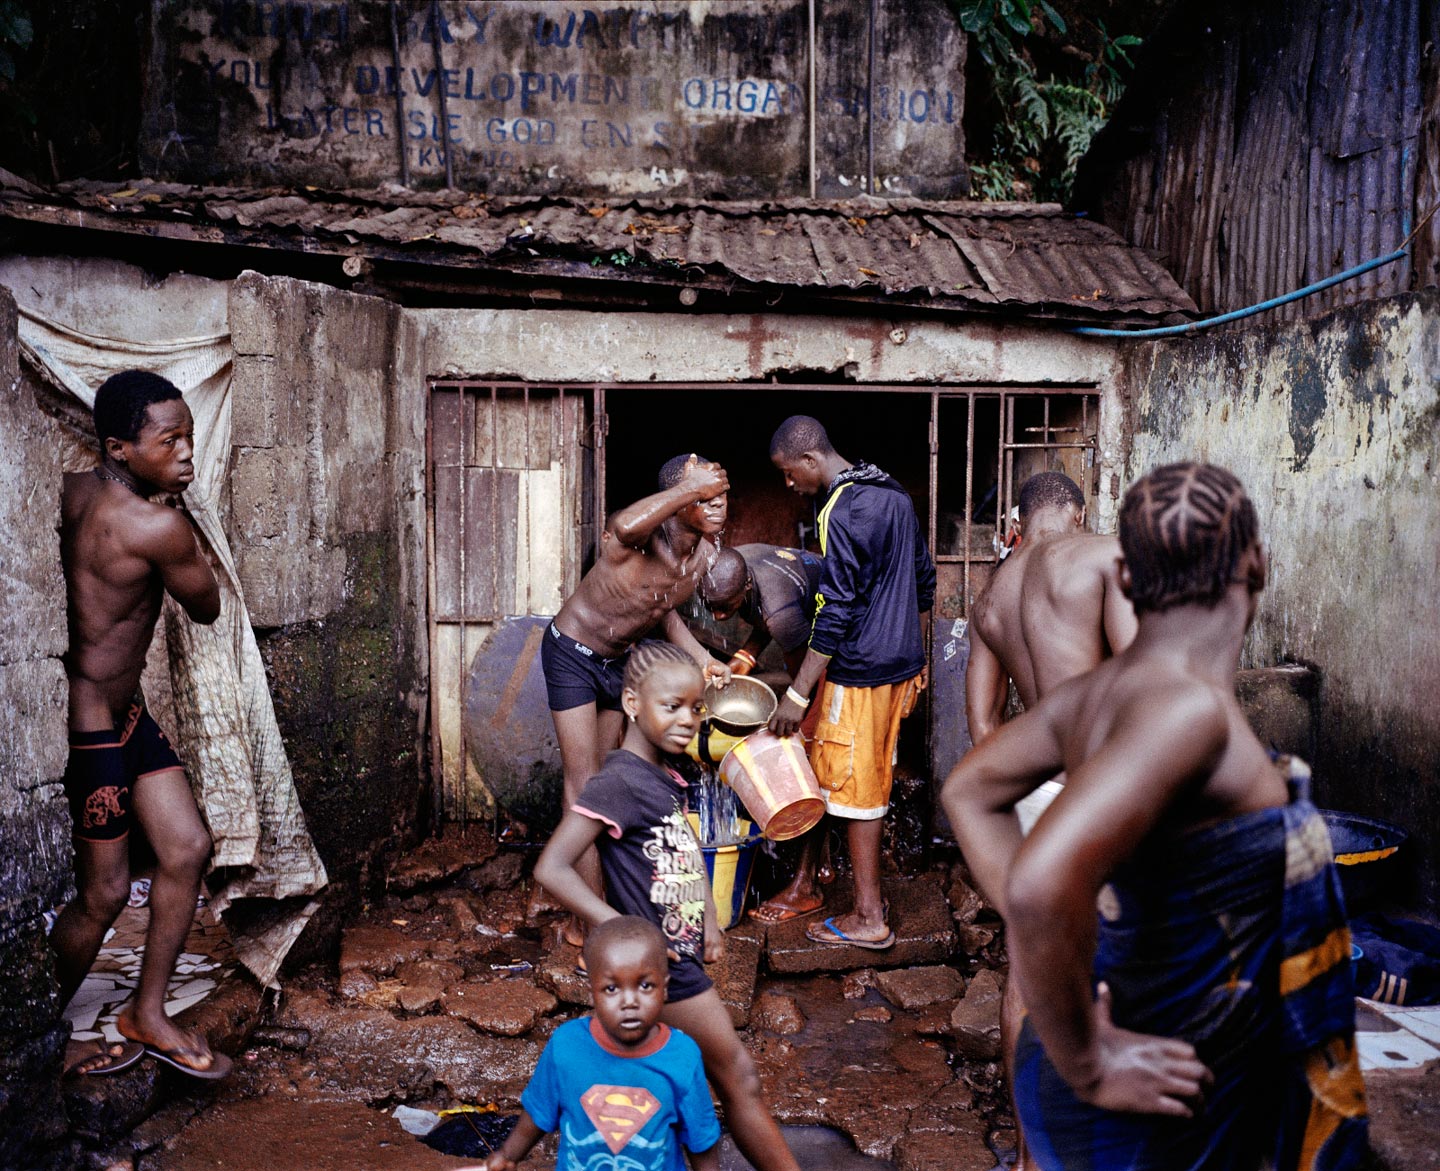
633, 810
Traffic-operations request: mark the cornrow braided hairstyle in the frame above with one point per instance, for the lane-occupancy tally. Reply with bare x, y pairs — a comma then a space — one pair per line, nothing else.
648, 655
1184, 528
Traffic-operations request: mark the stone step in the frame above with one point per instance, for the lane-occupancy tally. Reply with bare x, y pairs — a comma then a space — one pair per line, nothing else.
919, 916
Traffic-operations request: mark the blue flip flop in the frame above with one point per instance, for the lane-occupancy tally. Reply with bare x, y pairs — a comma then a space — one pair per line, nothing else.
836, 936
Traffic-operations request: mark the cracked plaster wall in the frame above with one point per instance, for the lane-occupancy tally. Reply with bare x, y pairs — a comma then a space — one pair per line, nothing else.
1333, 425
575, 346
327, 523
34, 823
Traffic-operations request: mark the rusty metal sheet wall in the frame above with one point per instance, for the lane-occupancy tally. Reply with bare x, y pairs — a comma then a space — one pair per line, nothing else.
1270, 146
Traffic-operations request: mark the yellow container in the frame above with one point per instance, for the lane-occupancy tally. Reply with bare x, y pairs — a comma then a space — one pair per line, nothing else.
729, 868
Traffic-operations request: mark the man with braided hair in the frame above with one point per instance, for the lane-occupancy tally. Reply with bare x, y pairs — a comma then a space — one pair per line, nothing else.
1053, 610
1217, 971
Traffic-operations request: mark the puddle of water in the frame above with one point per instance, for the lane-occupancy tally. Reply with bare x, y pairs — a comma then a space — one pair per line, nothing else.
816, 1148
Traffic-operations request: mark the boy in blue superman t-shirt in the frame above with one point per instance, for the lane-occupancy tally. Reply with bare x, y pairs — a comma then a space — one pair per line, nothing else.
620, 1080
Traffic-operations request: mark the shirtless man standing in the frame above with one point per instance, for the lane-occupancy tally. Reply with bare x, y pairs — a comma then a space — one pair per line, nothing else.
1053, 610
121, 552
652, 557
1175, 918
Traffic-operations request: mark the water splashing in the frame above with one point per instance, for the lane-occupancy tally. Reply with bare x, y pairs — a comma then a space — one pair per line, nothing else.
723, 821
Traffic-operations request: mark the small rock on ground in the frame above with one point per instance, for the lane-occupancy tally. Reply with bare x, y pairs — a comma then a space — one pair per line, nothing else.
856, 984
378, 950
778, 1013
917, 987
975, 1021
507, 1008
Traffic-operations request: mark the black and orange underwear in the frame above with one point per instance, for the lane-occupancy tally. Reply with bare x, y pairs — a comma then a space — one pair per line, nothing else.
103, 769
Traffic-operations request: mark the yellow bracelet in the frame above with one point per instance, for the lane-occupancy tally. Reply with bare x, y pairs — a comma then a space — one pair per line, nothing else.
742, 653
795, 697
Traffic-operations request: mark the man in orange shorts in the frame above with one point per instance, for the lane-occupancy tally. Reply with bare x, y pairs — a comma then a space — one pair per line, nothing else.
871, 611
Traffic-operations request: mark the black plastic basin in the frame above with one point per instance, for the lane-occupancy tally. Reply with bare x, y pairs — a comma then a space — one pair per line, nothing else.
1367, 851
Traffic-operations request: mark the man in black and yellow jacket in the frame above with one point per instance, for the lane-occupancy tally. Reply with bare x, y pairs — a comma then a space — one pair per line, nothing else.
871, 611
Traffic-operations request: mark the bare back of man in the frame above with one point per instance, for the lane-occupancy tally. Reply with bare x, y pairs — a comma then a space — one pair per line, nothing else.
121, 553
1053, 610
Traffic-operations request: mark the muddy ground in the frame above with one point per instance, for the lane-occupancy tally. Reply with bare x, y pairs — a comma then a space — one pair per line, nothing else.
447, 989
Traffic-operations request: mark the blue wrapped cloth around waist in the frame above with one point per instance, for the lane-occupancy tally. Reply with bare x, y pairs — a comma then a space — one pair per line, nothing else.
1231, 937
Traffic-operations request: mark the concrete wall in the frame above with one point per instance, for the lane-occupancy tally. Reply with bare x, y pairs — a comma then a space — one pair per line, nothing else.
686, 97
34, 824
1333, 425
327, 525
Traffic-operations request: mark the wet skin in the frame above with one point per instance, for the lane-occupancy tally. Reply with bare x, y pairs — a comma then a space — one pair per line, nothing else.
1053, 610
1152, 741
652, 557
121, 553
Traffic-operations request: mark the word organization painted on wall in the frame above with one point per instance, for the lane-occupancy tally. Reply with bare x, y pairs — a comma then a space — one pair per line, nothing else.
527, 95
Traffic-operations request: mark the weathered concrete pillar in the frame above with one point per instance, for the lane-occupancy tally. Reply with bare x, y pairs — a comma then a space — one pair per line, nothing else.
34, 823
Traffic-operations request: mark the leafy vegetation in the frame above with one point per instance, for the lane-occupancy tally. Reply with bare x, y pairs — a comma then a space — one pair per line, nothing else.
16, 34
1039, 126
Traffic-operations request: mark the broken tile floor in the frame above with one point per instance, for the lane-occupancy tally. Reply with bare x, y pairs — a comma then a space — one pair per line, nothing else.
445, 995
207, 959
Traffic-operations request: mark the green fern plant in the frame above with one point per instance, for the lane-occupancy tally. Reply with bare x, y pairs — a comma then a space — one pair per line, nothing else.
1045, 125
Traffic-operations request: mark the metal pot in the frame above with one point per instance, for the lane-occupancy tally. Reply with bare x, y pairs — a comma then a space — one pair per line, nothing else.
742, 707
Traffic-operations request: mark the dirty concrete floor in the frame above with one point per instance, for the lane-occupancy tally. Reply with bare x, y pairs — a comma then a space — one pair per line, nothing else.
445, 994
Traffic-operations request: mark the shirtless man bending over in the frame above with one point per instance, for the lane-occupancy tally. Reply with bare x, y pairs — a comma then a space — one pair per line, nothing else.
121, 551
1053, 610
652, 557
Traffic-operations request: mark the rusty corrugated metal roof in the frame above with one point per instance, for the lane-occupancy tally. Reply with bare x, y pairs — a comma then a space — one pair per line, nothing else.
1023, 259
